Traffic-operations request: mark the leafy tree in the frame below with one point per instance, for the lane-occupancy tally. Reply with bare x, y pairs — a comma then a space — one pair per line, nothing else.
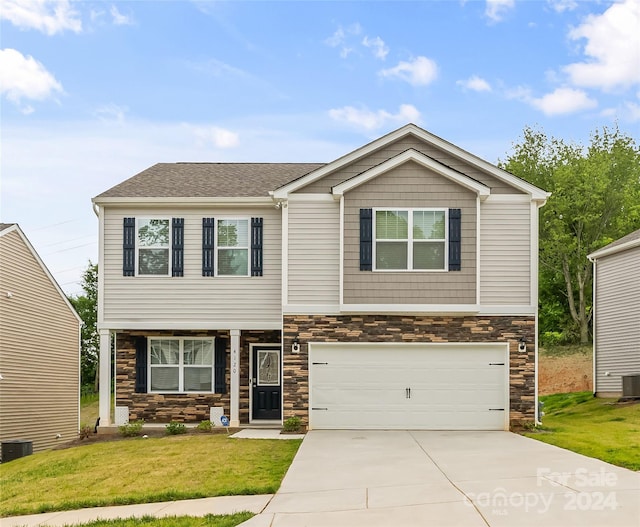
595, 200
86, 305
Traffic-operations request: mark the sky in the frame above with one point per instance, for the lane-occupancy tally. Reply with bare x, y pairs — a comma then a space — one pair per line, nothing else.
92, 93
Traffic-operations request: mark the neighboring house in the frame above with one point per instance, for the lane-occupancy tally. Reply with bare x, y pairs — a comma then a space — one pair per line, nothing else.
395, 287
39, 349
616, 304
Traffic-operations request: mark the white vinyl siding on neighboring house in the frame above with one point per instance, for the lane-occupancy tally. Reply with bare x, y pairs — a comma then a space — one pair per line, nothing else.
617, 319
192, 301
505, 252
314, 253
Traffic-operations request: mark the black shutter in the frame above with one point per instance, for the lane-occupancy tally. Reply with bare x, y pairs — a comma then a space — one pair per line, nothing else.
129, 247
220, 366
454, 239
141, 365
208, 240
256, 246
366, 239
177, 247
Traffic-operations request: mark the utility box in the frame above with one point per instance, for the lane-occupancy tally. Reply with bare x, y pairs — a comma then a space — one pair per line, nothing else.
15, 448
631, 385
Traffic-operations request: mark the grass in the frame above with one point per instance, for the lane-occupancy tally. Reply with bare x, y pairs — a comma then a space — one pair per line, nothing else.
595, 427
565, 350
230, 520
143, 471
89, 409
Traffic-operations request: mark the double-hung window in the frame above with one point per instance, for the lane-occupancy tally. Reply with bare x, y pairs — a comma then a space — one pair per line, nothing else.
153, 237
181, 364
232, 252
410, 239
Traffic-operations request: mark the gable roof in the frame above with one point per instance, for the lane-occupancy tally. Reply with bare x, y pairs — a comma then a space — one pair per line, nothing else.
7, 228
418, 157
626, 242
187, 180
536, 193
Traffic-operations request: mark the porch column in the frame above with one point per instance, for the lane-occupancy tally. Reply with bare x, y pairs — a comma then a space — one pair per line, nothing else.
105, 377
235, 378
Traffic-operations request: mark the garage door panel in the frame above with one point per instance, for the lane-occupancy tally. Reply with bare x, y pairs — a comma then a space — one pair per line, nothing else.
437, 387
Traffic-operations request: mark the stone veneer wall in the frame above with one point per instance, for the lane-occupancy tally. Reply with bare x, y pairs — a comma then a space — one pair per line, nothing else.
182, 407
401, 328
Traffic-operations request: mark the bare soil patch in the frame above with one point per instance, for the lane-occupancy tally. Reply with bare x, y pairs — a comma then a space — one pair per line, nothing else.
565, 373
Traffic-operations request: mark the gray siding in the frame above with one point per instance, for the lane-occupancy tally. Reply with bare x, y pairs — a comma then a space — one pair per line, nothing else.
192, 301
617, 326
324, 185
409, 185
314, 253
505, 253
39, 352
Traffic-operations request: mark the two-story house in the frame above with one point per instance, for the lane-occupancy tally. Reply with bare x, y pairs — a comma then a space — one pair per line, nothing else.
395, 287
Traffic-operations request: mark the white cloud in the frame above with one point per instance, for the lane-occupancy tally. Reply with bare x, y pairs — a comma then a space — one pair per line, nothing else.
372, 120
475, 83
419, 72
613, 48
218, 137
497, 9
25, 78
119, 19
48, 16
377, 45
560, 6
563, 101
340, 37
111, 113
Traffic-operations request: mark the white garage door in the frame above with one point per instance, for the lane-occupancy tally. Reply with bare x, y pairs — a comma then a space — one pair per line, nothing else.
409, 386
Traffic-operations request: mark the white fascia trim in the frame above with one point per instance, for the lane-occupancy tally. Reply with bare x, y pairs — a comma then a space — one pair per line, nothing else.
42, 265
311, 309
311, 198
534, 192
412, 155
507, 310
185, 202
436, 309
119, 325
618, 248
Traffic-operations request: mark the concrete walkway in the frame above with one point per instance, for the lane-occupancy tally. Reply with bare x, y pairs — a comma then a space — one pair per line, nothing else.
475, 479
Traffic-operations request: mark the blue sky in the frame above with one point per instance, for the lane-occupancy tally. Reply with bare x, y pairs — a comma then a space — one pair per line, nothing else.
94, 92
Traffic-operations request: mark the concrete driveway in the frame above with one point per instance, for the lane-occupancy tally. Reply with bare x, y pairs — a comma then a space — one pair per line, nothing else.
406, 478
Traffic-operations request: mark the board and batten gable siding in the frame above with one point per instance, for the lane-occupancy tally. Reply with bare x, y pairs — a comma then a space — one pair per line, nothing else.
409, 186
39, 352
191, 301
324, 185
314, 253
505, 251
617, 319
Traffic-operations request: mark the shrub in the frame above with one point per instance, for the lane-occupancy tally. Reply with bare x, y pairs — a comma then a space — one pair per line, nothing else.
292, 424
85, 431
204, 426
174, 428
131, 429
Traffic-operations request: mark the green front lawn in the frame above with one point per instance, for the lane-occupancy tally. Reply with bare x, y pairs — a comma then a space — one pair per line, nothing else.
595, 427
143, 471
230, 520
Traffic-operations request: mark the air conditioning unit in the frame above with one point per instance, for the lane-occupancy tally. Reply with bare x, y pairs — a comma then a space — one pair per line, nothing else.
631, 385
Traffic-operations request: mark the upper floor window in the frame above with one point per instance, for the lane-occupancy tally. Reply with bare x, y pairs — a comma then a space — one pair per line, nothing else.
232, 247
153, 244
410, 239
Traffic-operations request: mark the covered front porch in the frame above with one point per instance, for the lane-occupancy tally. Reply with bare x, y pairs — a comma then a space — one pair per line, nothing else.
190, 376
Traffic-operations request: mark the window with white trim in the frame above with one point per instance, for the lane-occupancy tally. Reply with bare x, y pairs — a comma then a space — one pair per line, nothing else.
232, 247
181, 364
153, 243
410, 239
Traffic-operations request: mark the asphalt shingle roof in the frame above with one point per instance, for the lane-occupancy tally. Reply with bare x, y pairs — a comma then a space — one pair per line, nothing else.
180, 180
4, 226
